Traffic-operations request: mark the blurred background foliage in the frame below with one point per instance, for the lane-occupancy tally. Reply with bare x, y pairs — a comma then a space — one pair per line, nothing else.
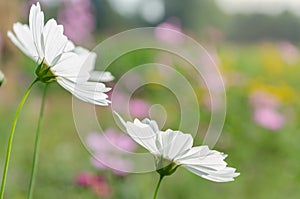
257, 54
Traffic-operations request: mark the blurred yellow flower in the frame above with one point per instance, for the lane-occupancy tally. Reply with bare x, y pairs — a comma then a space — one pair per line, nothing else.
281, 90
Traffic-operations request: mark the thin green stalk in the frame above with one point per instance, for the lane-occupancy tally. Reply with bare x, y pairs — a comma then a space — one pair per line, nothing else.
157, 186
36, 146
11, 136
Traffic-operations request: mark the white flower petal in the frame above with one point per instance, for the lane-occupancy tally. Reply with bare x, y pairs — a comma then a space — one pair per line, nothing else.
208, 164
75, 67
69, 67
54, 41
225, 175
36, 25
88, 63
215, 161
81, 51
70, 46
93, 87
174, 143
24, 37
152, 124
92, 95
87, 59
14, 39
192, 155
143, 135
101, 76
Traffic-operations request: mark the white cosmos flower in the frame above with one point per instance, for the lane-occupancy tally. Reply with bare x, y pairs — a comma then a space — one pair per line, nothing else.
174, 148
59, 59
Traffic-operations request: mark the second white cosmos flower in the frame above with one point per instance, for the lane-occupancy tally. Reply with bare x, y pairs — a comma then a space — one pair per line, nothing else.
59, 60
172, 149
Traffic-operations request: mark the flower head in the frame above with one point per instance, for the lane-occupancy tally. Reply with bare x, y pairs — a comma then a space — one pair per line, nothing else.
172, 149
266, 112
59, 60
97, 183
269, 118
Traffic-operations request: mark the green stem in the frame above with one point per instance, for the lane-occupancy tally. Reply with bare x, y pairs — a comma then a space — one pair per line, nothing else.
157, 186
36, 146
12, 132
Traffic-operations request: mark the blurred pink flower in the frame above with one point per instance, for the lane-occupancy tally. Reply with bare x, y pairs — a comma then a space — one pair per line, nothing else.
109, 149
78, 20
268, 118
266, 110
97, 183
84, 179
139, 108
289, 52
136, 107
169, 36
